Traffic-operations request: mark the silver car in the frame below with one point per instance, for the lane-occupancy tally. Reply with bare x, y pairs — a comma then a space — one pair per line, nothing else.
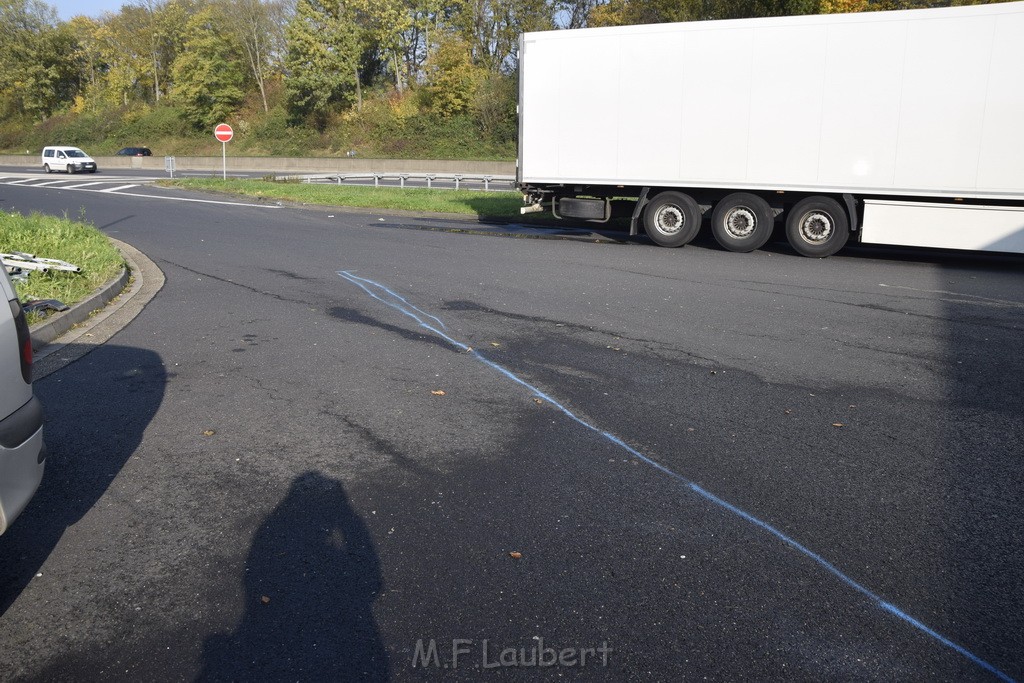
22, 453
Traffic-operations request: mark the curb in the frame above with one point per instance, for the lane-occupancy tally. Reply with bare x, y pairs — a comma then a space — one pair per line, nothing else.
59, 323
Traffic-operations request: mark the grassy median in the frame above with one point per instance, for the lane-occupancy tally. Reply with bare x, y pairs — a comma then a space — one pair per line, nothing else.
498, 204
64, 239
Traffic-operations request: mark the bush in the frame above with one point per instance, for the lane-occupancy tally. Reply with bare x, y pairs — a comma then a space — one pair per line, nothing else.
162, 121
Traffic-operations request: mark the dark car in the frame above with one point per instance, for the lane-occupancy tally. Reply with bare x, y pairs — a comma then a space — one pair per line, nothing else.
134, 152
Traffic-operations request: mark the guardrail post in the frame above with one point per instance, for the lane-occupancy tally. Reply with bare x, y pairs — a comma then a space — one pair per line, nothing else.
401, 179
376, 180
429, 179
487, 181
457, 179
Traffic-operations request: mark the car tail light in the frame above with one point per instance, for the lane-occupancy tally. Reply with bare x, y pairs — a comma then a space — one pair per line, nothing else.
24, 340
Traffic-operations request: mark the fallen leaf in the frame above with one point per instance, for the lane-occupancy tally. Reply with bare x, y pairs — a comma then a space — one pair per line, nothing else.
208, 432
838, 424
515, 555
495, 344
788, 411
538, 401
265, 600
438, 392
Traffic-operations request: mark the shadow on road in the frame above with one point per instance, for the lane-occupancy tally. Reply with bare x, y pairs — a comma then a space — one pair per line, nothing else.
96, 411
311, 578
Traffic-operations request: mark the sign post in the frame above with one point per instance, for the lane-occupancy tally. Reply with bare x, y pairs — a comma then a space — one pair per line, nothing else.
224, 133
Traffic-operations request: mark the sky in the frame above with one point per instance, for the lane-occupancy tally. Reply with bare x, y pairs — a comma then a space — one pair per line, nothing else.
90, 8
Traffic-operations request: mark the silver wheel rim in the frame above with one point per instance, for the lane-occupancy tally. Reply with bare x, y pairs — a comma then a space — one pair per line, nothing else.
740, 222
669, 220
816, 227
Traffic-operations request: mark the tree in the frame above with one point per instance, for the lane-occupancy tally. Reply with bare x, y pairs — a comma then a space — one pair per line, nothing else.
86, 32
259, 28
574, 13
492, 29
39, 60
142, 19
125, 48
322, 60
627, 12
451, 77
209, 76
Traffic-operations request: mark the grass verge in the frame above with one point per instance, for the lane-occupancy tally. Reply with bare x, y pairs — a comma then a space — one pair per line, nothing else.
59, 238
466, 202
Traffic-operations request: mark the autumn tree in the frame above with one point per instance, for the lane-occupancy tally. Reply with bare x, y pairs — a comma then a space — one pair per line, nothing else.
628, 12
89, 57
39, 66
451, 77
124, 47
209, 75
322, 60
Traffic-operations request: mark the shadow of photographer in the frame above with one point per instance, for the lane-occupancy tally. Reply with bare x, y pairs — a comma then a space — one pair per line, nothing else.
311, 577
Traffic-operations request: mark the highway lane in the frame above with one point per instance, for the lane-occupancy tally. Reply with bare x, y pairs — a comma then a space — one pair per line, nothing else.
329, 441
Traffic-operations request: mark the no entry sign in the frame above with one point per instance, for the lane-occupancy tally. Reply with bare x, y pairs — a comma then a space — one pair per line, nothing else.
223, 132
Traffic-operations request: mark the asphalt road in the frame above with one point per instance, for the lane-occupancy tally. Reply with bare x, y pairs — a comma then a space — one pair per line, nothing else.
334, 438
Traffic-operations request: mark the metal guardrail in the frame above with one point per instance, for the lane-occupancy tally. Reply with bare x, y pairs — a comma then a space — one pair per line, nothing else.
378, 177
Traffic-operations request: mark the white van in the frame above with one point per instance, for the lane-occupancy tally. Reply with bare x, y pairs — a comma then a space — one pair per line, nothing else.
70, 159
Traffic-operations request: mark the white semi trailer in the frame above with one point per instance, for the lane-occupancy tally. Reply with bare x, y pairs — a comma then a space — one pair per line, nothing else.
897, 128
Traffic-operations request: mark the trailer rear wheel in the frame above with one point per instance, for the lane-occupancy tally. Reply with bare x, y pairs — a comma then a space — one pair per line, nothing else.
672, 219
817, 227
742, 222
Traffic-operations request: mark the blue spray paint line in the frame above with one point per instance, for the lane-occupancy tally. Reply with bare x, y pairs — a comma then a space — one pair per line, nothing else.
372, 288
356, 279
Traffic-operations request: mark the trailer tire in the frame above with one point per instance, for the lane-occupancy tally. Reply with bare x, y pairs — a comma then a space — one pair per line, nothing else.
672, 219
742, 222
817, 227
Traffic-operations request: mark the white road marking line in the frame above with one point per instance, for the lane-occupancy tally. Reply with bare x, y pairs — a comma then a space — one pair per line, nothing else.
148, 196
121, 187
197, 201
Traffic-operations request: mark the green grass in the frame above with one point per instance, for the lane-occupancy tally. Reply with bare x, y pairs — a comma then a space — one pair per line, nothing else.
60, 238
423, 200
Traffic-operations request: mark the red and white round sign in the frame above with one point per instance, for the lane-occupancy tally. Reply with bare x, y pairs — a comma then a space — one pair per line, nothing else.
223, 132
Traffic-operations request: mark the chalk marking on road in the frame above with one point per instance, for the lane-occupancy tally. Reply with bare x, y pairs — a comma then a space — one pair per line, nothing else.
352, 277
366, 285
